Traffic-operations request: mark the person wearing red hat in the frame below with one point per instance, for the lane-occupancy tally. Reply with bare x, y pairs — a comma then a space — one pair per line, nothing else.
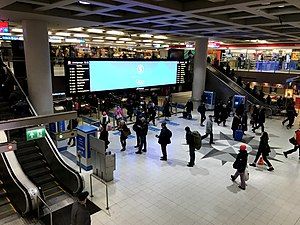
240, 165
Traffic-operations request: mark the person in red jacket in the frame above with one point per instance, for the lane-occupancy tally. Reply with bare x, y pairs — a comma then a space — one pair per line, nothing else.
296, 144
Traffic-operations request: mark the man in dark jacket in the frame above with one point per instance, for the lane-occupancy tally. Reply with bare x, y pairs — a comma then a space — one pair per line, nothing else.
291, 114
189, 108
137, 128
164, 138
143, 129
240, 165
80, 215
236, 124
261, 120
72, 125
190, 141
202, 110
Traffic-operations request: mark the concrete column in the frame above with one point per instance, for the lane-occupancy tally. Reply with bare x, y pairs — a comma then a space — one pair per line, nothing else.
37, 59
200, 63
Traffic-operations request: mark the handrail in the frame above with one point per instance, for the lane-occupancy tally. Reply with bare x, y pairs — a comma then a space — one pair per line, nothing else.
21, 89
48, 207
237, 88
103, 182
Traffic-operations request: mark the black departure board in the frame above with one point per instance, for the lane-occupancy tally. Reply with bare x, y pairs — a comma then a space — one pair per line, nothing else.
78, 76
181, 69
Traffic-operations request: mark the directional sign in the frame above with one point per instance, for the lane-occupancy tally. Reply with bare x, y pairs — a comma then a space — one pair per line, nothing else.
35, 133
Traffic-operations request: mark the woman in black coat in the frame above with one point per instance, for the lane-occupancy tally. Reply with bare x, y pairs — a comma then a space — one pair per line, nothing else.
236, 123
240, 165
104, 135
263, 150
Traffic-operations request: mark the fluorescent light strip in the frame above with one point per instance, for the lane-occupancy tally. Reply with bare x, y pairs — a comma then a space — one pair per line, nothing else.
147, 41
17, 30
111, 38
63, 34
115, 32
76, 29
81, 35
84, 2
125, 39
95, 31
5, 34
146, 35
160, 37
97, 40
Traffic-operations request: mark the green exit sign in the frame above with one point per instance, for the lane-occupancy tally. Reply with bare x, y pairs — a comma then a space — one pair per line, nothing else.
35, 133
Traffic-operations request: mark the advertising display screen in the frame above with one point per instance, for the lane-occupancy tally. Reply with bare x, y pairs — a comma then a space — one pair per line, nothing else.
95, 75
4, 27
111, 75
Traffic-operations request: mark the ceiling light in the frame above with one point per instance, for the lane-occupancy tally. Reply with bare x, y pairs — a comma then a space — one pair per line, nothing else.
17, 30
56, 37
84, 2
165, 46
147, 41
63, 34
281, 6
97, 40
76, 29
49, 32
5, 34
54, 41
120, 42
73, 40
111, 38
160, 37
131, 42
146, 35
125, 39
115, 32
148, 44
96, 31
81, 35
98, 37
158, 42
133, 35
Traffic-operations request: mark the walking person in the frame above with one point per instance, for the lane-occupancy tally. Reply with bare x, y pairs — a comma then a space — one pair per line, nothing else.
125, 132
264, 151
240, 165
190, 140
261, 120
80, 214
236, 124
244, 122
291, 114
143, 136
104, 135
223, 116
164, 138
189, 108
201, 109
151, 112
209, 130
296, 142
254, 116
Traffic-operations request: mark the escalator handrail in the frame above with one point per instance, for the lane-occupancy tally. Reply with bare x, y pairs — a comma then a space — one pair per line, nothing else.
48, 138
33, 111
237, 88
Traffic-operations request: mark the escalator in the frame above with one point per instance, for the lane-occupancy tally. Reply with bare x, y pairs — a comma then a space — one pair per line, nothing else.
37, 169
5, 110
225, 88
6, 208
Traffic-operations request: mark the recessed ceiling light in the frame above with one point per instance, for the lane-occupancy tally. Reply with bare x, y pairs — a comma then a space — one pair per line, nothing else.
160, 37
125, 39
76, 29
148, 44
158, 42
84, 2
5, 34
111, 38
133, 35
147, 41
98, 37
17, 30
146, 35
131, 42
97, 40
63, 34
94, 30
120, 42
115, 32
281, 6
56, 37
81, 35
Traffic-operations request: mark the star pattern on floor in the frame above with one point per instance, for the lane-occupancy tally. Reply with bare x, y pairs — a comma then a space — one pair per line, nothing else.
225, 148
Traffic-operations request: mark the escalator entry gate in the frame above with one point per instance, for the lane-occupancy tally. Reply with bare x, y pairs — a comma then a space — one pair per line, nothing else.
104, 163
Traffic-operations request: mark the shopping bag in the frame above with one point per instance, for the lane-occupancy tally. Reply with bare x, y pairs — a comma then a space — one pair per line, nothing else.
246, 174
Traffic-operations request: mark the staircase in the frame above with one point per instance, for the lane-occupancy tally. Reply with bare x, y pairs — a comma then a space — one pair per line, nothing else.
6, 208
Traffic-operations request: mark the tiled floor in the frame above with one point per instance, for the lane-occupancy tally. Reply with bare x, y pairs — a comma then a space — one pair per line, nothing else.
149, 191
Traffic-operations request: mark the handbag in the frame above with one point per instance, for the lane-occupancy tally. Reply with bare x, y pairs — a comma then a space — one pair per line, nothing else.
246, 175
293, 141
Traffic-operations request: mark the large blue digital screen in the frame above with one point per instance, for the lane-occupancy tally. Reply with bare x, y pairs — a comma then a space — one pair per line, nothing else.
112, 75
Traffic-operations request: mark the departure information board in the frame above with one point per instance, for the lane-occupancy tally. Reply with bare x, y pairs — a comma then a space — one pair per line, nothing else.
95, 75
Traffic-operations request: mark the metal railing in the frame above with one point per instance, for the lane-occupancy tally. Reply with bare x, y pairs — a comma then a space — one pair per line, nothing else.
103, 182
47, 206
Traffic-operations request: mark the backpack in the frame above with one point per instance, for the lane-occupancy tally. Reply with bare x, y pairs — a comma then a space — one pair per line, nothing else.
197, 139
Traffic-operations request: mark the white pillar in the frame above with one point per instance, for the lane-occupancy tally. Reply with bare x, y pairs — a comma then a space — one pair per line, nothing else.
200, 63
37, 59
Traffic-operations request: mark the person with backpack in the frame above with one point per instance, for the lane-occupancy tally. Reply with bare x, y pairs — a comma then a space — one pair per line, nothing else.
240, 165
209, 130
263, 150
201, 109
164, 138
193, 139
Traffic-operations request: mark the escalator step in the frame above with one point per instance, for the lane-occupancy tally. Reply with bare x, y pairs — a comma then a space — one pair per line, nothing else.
25, 144
2, 193
53, 193
43, 179
30, 158
4, 201
49, 185
38, 172
27, 150
6, 210
33, 165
